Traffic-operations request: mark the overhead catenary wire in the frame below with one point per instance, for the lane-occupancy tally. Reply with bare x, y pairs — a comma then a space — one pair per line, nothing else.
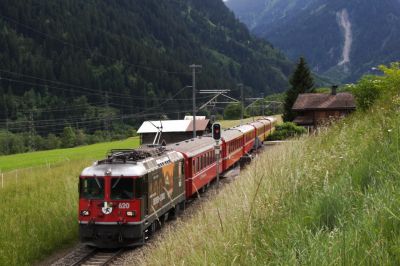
90, 91
79, 118
46, 35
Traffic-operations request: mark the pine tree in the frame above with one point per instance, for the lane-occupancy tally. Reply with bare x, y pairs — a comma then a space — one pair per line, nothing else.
301, 82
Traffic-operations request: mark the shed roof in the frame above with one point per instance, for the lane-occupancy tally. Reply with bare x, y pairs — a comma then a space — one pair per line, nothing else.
318, 101
172, 126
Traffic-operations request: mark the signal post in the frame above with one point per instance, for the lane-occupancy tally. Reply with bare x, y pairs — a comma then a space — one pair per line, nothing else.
216, 133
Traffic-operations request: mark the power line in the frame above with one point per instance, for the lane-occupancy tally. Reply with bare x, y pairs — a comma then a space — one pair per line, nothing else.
144, 67
90, 91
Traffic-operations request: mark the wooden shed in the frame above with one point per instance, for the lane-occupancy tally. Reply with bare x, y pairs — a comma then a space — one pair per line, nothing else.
314, 109
172, 130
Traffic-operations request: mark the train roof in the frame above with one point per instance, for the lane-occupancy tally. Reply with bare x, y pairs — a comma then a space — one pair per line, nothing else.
271, 119
264, 121
132, 162
192, 147
245, 128
115, 170
231, 133
257, 123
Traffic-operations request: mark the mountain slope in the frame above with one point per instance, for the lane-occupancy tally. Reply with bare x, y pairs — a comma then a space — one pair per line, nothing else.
341, 39
128, 55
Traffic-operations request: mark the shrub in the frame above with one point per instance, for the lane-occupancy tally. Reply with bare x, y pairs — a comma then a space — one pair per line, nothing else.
287, 130
68, 137
366, 92
371, 88
232, 111
53, 142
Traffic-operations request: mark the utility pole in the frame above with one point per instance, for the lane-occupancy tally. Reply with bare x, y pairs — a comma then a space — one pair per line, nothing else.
193, 67
263, 104
31, 131
240, 85
106, 119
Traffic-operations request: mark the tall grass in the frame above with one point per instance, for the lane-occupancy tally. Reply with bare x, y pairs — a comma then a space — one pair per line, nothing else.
329, 199
38, 205
38, 211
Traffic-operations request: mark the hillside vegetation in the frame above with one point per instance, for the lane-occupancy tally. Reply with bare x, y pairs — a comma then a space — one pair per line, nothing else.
93, 65
328, 199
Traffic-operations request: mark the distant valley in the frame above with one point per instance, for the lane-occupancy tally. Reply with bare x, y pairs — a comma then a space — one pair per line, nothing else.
340, 39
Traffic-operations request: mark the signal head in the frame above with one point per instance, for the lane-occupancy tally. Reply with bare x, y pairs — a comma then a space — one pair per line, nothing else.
216, 131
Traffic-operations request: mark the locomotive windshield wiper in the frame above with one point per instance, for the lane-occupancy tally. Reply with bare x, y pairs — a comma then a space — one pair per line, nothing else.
98, 182
116, 183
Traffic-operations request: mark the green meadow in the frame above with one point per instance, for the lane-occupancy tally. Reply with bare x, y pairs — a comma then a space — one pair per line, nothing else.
38, 200
89, 152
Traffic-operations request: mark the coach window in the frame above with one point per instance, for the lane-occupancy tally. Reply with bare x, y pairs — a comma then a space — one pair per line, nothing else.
91, 188
122, 188
193, 166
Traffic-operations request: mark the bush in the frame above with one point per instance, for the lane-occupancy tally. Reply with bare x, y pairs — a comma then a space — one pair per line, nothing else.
370, 88
232, 111
366, 92
11, 143
287, 130
53, 142
68, 138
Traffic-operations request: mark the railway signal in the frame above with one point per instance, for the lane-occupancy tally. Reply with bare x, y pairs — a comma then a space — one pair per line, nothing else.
216, 131
216, 134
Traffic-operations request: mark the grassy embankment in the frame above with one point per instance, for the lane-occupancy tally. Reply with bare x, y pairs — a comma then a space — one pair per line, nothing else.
38, 199
38, 205
331, 199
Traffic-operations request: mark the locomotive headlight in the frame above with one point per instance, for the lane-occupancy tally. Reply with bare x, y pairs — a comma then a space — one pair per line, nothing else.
131, 213
85, 213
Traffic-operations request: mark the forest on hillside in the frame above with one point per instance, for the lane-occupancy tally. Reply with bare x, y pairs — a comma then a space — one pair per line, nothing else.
94, 65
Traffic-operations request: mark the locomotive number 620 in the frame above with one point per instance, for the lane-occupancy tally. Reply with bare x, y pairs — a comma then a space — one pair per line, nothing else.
123, 205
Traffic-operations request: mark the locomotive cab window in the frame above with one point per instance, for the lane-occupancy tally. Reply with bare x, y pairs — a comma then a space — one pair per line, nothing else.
91, 188
122, 188
139, 187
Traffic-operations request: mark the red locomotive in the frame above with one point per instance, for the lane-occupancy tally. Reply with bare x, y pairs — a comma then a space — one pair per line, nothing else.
124, 197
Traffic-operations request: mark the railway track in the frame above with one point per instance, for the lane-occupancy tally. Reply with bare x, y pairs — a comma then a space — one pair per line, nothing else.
85, 256
98, 257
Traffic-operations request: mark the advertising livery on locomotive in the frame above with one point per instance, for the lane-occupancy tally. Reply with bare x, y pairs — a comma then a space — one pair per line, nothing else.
123, 198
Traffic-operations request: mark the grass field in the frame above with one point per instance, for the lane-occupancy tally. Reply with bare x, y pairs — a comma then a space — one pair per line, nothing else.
38, 200
90, 152
39, 196
331, 199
